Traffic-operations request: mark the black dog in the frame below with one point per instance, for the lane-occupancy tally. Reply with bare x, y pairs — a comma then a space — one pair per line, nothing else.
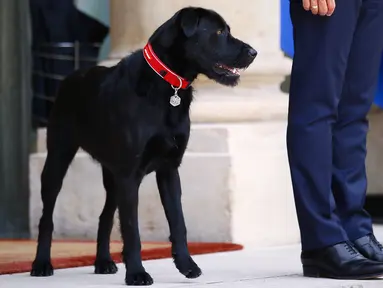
133, 119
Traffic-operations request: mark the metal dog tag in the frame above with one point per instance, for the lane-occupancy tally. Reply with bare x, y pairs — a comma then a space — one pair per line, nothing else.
175, 100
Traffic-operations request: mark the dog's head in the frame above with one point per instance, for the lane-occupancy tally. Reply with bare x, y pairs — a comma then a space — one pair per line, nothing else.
201, 40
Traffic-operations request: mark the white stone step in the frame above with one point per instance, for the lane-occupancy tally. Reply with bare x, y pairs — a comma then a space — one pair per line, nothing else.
253, 267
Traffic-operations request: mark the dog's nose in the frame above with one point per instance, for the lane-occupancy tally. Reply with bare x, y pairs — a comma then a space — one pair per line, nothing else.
252, 52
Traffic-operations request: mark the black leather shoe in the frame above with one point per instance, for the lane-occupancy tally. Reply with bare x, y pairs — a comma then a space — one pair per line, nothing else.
341, 261
369, 247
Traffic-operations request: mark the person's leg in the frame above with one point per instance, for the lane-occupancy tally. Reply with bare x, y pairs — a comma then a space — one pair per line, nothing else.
322, 46
350, 131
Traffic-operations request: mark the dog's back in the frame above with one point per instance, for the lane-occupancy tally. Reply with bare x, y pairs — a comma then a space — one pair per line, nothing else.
76, 111
76, 92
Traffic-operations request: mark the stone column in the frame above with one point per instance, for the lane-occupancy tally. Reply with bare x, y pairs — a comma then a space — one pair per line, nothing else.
256, 22
15, 95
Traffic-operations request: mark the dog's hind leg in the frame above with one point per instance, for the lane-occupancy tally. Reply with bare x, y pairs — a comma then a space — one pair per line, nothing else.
61, 148
169, 186
104, 263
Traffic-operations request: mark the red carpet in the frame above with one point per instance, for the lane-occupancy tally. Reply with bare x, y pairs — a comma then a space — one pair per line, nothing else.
16, 256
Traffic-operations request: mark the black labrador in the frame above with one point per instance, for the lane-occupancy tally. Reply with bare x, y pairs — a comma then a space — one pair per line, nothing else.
133, 119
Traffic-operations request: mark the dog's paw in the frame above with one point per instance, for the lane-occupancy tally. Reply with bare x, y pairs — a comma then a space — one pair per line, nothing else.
41, 269
138, 279
187, 266
105, 267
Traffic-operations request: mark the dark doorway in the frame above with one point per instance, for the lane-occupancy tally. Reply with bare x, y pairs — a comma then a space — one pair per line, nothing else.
64, 39
42, 41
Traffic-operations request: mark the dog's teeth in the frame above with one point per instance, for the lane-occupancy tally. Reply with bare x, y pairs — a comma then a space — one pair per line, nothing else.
232, 70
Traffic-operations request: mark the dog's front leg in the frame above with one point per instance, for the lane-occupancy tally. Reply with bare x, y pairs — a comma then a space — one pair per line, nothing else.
127, 189
169, 186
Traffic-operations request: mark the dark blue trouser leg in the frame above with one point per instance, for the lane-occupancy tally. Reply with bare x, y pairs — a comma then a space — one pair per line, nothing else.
350, 131
322, 46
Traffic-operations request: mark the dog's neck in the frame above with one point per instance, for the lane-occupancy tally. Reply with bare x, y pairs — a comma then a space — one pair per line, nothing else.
175, 80
173, 57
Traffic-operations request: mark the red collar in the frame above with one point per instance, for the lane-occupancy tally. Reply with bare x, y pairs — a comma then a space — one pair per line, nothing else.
162, 70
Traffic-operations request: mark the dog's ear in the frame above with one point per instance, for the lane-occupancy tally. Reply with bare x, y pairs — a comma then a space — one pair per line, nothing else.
189, 21
186, 20
167, 32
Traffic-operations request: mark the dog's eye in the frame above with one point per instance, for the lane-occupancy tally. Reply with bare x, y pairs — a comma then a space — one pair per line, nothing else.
219, 32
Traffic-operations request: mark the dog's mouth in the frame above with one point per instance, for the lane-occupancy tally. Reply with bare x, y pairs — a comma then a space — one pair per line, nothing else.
227, 71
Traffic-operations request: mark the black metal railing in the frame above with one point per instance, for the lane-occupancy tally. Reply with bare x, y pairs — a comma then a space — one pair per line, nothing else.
52, 62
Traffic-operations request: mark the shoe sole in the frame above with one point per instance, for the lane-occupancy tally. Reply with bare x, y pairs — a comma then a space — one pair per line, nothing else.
315, 272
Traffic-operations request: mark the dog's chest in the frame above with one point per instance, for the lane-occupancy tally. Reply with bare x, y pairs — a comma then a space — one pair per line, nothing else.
163, 150
167, 140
